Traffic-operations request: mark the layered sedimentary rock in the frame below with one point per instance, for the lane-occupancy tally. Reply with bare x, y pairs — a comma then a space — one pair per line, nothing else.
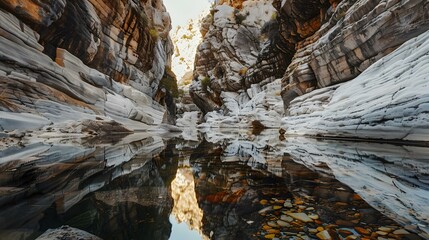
74, 60
350, 37
234, 52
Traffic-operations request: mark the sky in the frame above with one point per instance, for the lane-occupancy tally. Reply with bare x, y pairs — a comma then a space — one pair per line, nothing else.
183, 10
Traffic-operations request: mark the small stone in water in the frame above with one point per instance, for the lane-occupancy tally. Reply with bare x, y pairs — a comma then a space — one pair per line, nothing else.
283, 223
265, 210
352, 237
288, 205
263, 202
301, 216
298, 201
313, 230
381, 233
310, 209
320, 229
266, 227
362, 231
385, 229
313, 216
324, 235
401, 232
286, 218
270, 236
277, 207
272, 224
273, 231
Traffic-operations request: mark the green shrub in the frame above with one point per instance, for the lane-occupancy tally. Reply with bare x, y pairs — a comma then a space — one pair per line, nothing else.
205, 82
154, 33
274, 16
169, 82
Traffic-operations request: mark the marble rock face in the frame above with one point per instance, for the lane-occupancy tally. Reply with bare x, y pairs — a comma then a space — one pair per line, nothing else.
346, 38
237, 51
69, 60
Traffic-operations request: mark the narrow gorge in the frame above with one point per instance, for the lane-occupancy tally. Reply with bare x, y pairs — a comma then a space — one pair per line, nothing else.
214, 119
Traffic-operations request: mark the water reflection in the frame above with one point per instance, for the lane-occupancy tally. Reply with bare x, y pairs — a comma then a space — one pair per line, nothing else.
186, 213
225, 186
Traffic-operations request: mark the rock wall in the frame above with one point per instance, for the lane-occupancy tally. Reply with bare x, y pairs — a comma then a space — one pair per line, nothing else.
350, 36
73, 60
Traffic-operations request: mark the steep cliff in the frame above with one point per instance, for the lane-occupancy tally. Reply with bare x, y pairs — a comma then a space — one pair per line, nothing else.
234, 43
358, 42
354, 35
63, 61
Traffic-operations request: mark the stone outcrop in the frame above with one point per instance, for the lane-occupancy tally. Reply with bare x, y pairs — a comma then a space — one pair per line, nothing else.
236, 51
72, 60
340, 41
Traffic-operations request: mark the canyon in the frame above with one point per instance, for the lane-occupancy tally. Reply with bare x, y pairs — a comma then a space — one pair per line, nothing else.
257, 119
325, 68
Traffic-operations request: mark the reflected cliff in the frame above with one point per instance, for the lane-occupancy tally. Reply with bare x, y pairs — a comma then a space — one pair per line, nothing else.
225, 186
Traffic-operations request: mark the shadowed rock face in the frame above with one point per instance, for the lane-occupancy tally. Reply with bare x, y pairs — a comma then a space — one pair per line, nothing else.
341, 41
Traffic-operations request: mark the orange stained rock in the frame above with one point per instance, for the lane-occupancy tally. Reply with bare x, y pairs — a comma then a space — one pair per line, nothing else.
273, 231
362, 231
307, 29
32, 10
270, 236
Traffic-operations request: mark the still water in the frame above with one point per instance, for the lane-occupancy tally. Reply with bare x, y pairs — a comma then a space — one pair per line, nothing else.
218, 186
